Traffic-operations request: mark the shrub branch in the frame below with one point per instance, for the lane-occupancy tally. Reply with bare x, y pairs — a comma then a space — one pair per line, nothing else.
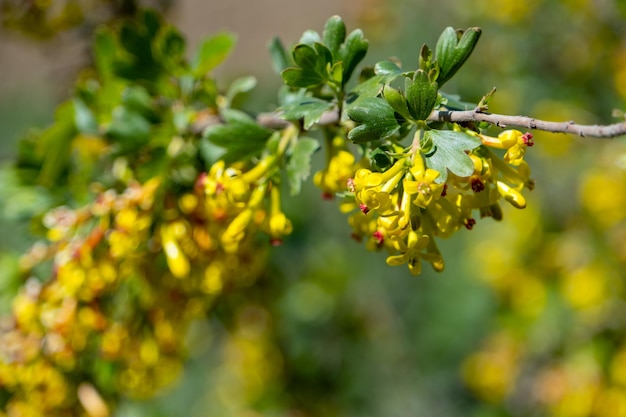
503, 121
273, 120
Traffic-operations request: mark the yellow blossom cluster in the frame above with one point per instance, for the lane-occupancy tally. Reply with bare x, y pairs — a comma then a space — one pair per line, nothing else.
127, 275
562, 294
404, 207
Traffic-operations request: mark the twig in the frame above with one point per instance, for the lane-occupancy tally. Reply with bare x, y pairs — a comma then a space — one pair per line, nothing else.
476, 115
274, 121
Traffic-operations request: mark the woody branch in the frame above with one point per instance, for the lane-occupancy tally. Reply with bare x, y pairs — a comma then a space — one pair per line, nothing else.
273, 120
503, 121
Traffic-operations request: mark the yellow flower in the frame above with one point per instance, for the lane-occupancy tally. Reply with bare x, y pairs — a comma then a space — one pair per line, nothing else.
373, 189
511, 195
422, 186
278, 224
341, 166
236, 230
410, 251
177, 261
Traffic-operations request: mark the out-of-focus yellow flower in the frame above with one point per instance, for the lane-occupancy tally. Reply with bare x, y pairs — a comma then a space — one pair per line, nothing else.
610, 402
600, 196
492, 371
587, 286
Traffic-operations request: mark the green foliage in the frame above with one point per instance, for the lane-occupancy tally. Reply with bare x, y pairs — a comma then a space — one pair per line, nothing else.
376, 118
309, 109
240, 135
146, 115
330, 62
212, 52
299, 165
452, 50
421, 95
445, 151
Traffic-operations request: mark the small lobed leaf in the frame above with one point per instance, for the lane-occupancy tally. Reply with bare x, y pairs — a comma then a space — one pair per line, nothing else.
128, 128
308, 108
376, 118
325, 56
84, 118
212, 52
453, 49
54, 144
104, 48
448, 152
240, 136
170, 49
421, 95
387, 68
397, 101
136, 42
239, 86
299, 164
334, 35
311, 66
352, 52
453, 102
310, 37
280, 59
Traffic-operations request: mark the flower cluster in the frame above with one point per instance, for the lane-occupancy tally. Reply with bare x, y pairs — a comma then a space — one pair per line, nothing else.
404, 207
127, 275
579, 370
236, 201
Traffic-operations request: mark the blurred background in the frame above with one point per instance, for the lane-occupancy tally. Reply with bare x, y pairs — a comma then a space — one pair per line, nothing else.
528, 318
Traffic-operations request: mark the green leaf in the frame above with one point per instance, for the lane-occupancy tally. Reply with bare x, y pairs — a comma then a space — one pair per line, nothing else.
240, 86
299, 164
104, 48
381, 159
352, 52
136, 42
129, 128
372, 87
310, 37
421, 95
84, 119
18, 201
334, 35
280, 59
376, 119
210, 152
240, 136
369, 88
308, 108
387, 68
326, 57
138, 99
54, 144
453, 102
426, 62
452, 50
311, 70
483, 104
151, 22
448, 153
212, 52
170, 49
397, 101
